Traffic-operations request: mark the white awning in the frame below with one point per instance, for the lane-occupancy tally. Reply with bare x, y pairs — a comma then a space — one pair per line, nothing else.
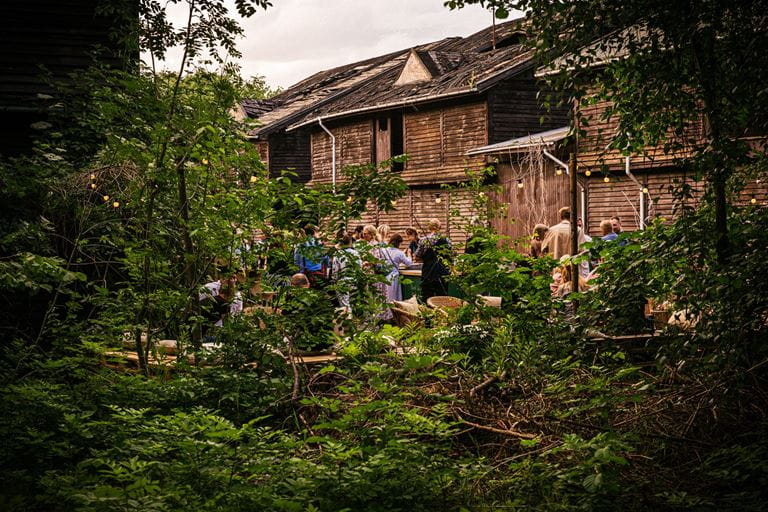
548, 138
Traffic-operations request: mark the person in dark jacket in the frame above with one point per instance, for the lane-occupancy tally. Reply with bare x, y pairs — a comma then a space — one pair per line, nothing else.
435, 251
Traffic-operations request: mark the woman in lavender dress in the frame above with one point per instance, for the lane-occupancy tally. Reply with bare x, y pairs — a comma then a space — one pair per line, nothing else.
394, 257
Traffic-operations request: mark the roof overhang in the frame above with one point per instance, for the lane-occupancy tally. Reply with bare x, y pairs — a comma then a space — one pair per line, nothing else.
520, 144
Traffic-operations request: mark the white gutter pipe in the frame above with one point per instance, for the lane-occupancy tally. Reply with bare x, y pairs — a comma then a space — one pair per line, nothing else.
642, 194
581, 187
333, 152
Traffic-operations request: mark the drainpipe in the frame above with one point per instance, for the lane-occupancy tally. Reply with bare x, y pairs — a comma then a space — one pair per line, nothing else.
333, 152
640, 186
567, 170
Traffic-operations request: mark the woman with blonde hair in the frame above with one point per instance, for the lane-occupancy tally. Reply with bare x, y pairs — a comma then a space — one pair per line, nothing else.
384, 232
371, 234
539, 232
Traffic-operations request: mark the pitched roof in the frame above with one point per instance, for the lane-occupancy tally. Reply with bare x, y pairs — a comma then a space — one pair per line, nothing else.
459, 66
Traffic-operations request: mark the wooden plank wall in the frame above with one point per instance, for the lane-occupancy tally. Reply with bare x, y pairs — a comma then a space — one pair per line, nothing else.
437, 140
290, 151
354, 145
621, 197
538, 202
263, 148
599, 132
514, 110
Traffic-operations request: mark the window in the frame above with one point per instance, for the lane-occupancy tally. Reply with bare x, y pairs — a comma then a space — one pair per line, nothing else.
389, 139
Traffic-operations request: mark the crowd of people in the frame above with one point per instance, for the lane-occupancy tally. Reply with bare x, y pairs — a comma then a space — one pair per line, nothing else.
555, 241
316, 264
319, 265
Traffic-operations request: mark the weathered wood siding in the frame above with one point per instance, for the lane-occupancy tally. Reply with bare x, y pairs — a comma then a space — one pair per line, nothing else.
290, 151
599, 132
537, 202
263, 148
436, 142
354, 145
621, 197
60, 37
514, 110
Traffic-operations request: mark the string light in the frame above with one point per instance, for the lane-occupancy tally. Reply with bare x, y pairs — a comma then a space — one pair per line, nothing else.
559, 171
349, 199
753, 200
116, 204
437, 199
645, 190
587, 173
106, 198
93, 186
205, 161
93, 176
607, 179
253, 179
520, 184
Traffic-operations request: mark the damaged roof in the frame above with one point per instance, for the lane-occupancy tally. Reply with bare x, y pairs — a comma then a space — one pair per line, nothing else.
459, 66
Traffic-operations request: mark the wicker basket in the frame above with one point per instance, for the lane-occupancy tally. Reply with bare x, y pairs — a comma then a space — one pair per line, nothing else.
444, 301
401, 318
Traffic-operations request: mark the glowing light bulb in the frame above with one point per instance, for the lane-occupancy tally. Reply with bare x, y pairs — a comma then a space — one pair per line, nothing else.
349, 199
438, 200
93, 186
116, 204
753, 200
607, 179
106, 198
645, 190
587, 173
559, 172
205, 161
253, 179
520, 184
93, 176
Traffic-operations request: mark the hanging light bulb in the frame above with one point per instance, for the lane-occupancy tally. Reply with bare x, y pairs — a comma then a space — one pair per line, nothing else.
93, 186
253, 179
753, 200
93, 176
587, 173
558, 171
437, 199
645, 190
205, 161
106, 198
116, 204
607, 179
520, 184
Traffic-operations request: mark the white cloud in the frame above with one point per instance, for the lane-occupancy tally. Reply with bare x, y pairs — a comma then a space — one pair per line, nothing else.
296, 38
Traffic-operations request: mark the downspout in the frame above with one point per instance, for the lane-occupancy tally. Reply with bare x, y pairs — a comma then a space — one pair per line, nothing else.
333, 152
581, 187
642, 194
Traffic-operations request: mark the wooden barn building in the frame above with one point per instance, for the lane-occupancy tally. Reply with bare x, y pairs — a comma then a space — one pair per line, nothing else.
44, 40
435, 103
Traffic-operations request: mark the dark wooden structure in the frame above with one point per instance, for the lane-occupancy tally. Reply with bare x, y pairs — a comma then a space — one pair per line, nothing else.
433, 103
44, 40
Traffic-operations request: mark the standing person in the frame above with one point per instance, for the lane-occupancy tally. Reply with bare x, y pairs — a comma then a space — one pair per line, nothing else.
557, 243
584, 265
435, 251
616, 223
394, 257
606, 230
539, 233
345, 263
308, 259
384, 232
412, 237
372, 238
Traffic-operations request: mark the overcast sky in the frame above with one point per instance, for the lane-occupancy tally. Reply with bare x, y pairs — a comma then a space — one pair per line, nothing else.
296, 38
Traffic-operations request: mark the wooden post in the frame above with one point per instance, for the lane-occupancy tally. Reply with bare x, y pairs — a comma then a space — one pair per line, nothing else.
574, 223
